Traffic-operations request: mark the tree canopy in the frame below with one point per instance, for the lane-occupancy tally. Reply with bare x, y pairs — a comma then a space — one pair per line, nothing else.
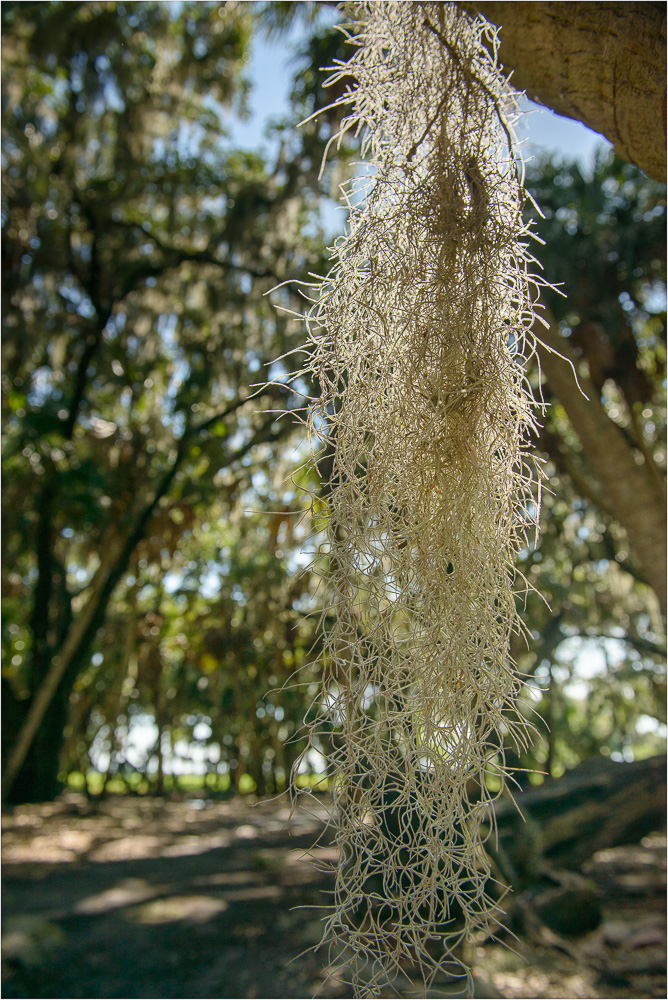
152, 521
138, 246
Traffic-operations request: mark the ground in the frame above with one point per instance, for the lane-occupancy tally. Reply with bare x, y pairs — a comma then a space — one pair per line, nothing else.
142, 897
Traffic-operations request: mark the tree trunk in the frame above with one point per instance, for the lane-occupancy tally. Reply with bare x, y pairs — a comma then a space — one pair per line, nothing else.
37, 780
160, 773
29, 756
603, 64
630, 489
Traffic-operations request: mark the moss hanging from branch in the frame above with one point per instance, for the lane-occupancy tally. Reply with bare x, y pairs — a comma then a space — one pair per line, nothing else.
419, 337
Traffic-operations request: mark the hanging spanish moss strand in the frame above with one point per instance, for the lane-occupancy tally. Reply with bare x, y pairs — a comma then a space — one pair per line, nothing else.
419, 336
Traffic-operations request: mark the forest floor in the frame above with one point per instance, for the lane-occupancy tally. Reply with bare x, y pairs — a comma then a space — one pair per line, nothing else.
143, 897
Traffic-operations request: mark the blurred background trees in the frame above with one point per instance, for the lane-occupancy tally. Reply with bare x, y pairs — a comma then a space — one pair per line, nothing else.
138, 245
152, 525
599, 641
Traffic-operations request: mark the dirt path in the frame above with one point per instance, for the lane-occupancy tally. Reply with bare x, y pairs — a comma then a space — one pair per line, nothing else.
138, 897
151, 898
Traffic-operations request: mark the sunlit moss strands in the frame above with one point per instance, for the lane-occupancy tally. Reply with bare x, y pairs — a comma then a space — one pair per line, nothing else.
419, 335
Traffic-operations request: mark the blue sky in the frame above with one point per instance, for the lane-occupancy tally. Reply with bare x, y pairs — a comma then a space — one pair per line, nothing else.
273, 65
565, 138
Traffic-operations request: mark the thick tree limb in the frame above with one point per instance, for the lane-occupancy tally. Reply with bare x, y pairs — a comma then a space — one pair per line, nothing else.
597, 805
603, 64
630, 489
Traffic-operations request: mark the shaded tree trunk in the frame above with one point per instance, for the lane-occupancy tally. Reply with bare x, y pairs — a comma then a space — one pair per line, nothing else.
37, 780
31, 759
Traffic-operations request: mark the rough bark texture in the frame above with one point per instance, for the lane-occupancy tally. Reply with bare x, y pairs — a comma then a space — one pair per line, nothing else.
603, 64
630, 489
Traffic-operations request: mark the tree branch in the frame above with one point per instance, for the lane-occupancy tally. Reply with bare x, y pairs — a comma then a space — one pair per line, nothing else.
603, 64
114, 562
179, 255
93, 339
629, 488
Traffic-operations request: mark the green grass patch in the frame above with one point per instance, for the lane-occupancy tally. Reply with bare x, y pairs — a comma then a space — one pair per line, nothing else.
136, 783
318, 782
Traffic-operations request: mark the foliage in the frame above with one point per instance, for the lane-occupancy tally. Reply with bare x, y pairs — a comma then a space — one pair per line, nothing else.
598, 639
138, 244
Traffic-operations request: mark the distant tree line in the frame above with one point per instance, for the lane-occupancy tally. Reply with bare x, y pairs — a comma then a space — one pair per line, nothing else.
152, 517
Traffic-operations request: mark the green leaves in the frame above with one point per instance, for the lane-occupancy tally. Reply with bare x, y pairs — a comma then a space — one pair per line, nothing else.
138, 247
605, 238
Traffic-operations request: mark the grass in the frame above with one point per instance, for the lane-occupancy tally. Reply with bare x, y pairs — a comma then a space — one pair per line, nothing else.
136, 783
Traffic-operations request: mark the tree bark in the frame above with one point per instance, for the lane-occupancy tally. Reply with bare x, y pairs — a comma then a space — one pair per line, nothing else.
603, 64
629, 487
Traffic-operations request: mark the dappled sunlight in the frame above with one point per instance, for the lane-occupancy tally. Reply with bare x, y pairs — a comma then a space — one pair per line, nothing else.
127, 892
137, 846
48, 849
195, 845
197, 909
246, 832
123, 828
153, 866
235, 908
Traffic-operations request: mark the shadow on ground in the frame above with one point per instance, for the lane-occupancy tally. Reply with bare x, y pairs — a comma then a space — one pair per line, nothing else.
138, 897
151, 898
